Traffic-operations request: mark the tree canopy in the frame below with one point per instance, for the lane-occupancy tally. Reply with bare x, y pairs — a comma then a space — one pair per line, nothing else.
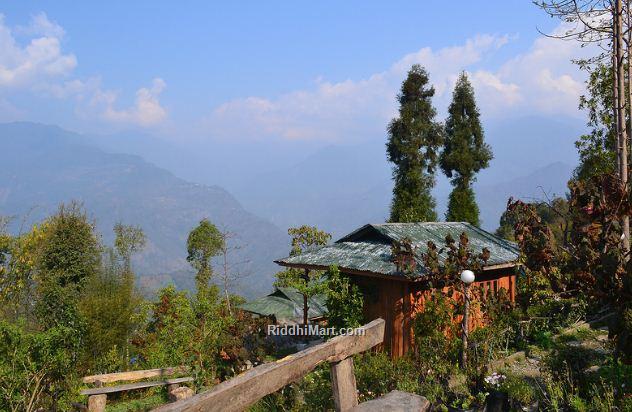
464, 153
204, 242
413, 147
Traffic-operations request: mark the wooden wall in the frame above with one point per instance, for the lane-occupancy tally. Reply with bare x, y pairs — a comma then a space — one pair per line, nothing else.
397, 301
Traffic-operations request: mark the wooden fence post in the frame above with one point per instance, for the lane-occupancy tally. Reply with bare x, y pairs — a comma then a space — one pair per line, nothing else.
343, 383
96, 403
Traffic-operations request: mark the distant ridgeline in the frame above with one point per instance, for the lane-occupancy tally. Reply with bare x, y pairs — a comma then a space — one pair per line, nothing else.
48, 165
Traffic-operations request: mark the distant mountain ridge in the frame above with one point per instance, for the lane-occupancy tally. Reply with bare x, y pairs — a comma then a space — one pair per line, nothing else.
542, 184
336, 187
46, 165
339, 187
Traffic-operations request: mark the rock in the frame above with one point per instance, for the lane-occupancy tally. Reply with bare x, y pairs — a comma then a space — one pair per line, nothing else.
182, 392
395, 401
509, 360
592, 369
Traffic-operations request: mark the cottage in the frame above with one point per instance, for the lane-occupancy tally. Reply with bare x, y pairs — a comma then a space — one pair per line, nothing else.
286, 306
365, 255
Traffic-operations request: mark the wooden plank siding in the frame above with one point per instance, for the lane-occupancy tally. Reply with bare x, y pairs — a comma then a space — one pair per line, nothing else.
398, 302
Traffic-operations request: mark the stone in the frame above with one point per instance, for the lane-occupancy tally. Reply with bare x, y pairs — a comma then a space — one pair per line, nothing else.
182, 392
395, 401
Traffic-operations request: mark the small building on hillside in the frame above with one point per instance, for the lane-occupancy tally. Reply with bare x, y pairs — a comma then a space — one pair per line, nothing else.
286, 306
365, 255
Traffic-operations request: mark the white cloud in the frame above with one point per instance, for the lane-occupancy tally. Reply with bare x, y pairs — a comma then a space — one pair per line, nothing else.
540, 80
41, 67
40, 25
146, 111
37, 62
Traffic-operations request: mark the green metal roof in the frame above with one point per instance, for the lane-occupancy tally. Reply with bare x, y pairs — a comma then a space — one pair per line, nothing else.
368, 249
286, 304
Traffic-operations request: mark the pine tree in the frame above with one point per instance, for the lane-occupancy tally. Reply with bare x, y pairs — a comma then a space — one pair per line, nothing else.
413, 148
465, 152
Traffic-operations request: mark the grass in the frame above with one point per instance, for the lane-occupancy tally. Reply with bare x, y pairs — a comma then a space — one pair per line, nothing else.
579, 335
138, 405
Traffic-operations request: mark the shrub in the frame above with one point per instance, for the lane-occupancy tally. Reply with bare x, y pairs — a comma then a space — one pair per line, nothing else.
520, 391
436, 343
344, 301
377, 374
36, 368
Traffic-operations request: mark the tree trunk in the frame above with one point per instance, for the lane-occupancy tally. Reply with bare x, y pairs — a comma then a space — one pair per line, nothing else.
305, 305
226, 280
621, 115
465, 324
626, 223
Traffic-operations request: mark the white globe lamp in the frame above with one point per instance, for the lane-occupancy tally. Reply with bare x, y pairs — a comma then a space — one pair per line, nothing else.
467, 277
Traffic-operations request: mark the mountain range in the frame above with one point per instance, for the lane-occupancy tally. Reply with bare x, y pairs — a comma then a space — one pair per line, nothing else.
255, 191
45, 165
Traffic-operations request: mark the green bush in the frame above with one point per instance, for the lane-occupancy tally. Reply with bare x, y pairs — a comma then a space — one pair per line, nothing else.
344, 301
436, 343
543, 339
519, 390
36, 368
377, 374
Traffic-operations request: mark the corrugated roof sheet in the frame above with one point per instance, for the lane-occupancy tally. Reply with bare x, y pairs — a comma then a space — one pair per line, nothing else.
286, 304
368, 249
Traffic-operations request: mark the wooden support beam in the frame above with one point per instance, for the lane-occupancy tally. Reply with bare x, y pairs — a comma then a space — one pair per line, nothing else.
244, 390
134, 375
343, 384
96, 403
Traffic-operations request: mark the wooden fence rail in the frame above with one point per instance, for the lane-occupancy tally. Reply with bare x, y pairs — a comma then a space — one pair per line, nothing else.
246, 389
134, 375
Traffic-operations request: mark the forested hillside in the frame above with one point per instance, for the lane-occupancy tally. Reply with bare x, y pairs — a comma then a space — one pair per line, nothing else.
48, 166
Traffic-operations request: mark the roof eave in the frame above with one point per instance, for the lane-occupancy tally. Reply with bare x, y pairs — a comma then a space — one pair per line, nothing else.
347, 270
506, 265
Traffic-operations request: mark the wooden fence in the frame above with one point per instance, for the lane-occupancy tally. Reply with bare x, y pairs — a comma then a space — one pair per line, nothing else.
246, 389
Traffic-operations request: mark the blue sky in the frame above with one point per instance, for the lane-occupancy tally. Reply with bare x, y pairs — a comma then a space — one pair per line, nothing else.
325, 70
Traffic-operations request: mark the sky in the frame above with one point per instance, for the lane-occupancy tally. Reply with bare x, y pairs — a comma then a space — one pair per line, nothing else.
325, 71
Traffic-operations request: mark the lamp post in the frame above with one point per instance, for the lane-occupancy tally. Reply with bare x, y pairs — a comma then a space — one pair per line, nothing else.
467, 277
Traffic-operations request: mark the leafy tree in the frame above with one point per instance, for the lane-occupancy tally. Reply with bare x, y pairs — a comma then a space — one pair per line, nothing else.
597, 149
344, 301
128, 240
36, 368
592, 264
465, 153
68, 255
198, 332
413, 148
204, 242
231, 271
553, 213
109, 306
307, 282
598, 262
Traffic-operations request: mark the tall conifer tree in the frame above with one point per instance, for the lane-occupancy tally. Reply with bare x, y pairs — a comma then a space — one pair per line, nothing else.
413, 148
465, 152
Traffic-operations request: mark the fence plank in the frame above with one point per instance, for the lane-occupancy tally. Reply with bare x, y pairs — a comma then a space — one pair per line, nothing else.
132, 386
244, 390
343, 384
134, 375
